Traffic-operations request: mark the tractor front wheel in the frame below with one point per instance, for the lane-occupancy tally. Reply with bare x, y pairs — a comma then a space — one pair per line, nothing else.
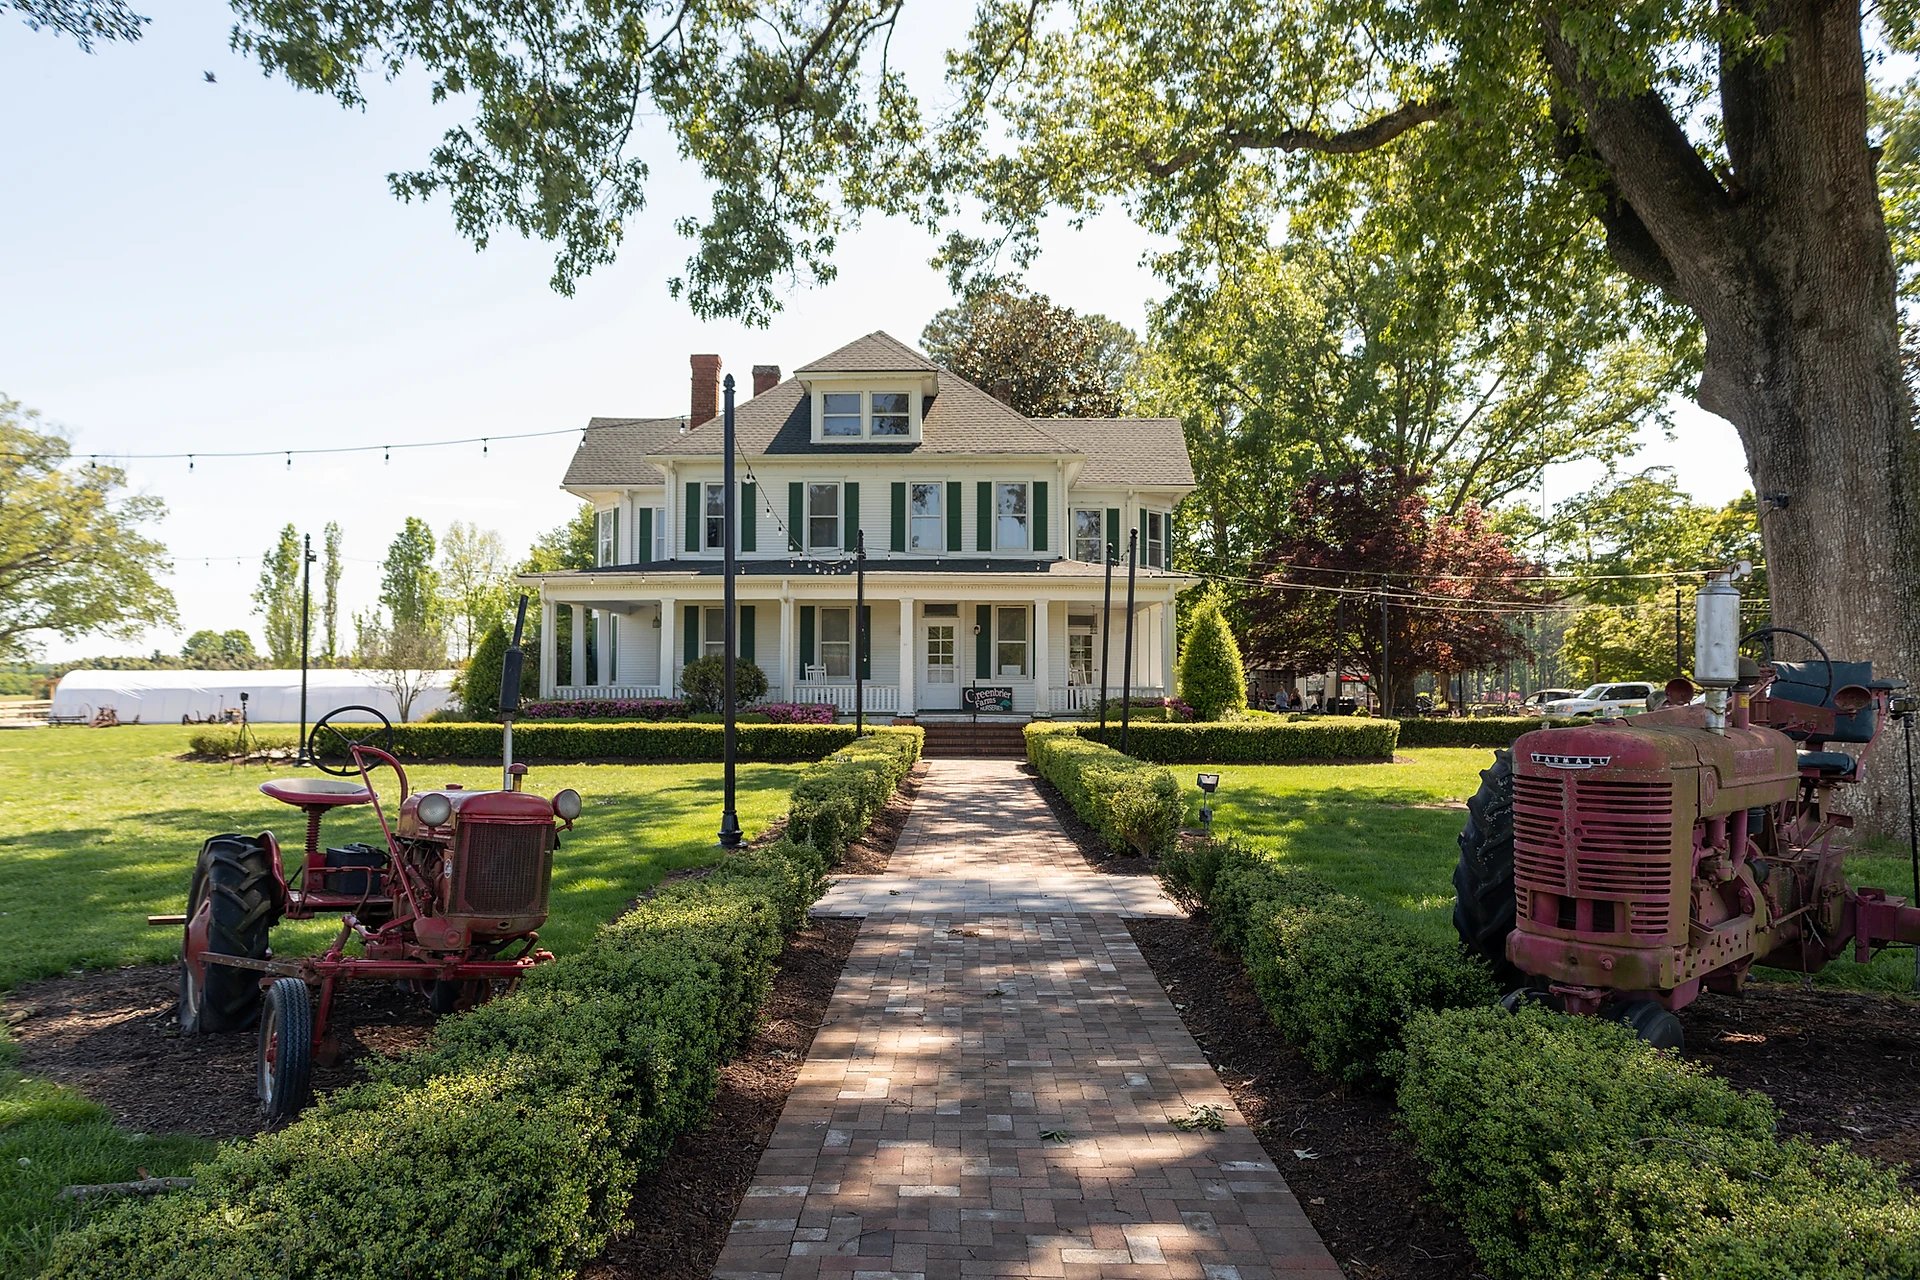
284, 1070
231, 906
1653, 1024
1483, 880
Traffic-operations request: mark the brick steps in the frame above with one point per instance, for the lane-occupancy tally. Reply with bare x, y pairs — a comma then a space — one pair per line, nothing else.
988, 740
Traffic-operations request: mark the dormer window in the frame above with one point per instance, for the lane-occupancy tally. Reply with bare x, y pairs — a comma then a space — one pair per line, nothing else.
843, 414
890, 417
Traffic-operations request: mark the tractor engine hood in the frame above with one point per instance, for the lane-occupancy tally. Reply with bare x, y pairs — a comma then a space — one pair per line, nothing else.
1739, 769
469, 806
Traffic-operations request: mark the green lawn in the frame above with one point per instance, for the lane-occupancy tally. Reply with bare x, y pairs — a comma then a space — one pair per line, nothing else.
1388, 832
100, 827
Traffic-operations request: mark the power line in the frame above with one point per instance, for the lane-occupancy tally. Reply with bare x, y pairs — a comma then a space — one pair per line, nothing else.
191, 457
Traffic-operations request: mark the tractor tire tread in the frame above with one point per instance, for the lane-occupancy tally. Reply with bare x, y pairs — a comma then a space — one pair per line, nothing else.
235, 873
1483, 907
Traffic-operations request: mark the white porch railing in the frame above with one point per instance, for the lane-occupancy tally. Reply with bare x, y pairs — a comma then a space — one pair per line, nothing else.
883, 699
1084, 699
568, 692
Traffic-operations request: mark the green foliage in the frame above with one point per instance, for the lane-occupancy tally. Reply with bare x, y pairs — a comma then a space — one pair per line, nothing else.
72, 557
409, 583
330, 568
276, 598
1565, 1146
588, 740
1339, 978
207, 647
702, 680
474, 585
1135, 807
219, 742
836, 799
1473, 731
480, 682
1261, 741
1212, 677
1053, 362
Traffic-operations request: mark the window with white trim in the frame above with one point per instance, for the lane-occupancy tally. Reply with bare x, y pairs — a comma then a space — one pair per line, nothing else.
840, 414
887, 414
926, 525
713, 632
836, 643
659, 533
823, 516
1010, 519
1156, 551
606, 527
1010, 641
714, 516
1089, 535
890, 414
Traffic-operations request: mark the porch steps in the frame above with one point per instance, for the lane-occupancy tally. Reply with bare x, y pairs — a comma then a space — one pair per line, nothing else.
987, 740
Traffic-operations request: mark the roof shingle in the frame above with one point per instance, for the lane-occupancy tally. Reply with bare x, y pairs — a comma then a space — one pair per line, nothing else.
614, 452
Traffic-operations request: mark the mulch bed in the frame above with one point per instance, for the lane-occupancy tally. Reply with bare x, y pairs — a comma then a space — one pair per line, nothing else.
113, 1037
679, 1218
1363, 1190
870, 854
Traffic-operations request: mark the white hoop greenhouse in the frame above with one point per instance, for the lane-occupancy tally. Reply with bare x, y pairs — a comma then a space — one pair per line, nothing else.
273, 697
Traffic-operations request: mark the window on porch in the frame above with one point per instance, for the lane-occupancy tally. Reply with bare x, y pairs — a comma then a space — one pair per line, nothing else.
836, 643
1010, 641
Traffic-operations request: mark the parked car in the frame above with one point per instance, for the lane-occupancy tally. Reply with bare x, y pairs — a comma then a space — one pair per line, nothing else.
1625, 699
1539, 698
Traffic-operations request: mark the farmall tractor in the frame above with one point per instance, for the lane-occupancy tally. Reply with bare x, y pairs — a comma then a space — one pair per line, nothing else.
1623, 868
448, 904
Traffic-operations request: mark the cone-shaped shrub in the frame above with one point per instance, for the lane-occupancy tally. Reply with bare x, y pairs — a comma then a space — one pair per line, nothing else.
1212, 677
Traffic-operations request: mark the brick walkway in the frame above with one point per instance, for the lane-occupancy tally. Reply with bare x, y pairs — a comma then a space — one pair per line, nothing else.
993, 1088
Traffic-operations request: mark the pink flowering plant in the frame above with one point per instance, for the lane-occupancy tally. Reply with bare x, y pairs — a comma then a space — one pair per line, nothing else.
606, 709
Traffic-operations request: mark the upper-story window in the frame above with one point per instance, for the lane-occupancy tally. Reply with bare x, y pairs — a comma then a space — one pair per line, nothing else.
606, 527
926, 527
714, 513
1089, 538
888, 415
841, 414
1011, 526
1156, 551
823, 517
659, 549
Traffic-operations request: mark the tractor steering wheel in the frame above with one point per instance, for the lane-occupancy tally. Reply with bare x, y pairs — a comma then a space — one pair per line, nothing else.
1800, 635
344, 737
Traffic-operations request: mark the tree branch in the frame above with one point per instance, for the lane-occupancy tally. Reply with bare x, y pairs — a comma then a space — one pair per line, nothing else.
1366, 137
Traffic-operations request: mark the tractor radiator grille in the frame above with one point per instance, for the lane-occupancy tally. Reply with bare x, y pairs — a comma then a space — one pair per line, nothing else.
1602, 840
504, 870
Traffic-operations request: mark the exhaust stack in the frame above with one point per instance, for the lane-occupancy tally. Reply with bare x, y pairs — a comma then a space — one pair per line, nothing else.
1716, 641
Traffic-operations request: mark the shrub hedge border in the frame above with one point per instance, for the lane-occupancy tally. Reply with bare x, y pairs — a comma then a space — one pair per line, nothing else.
511, 1143
1261, 741
559, 743
1475, 731
1135, 807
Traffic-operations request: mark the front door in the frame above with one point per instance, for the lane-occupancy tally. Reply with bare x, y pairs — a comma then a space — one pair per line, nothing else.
940, 691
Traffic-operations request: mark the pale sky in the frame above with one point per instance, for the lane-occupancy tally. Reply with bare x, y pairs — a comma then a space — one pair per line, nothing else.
190, 266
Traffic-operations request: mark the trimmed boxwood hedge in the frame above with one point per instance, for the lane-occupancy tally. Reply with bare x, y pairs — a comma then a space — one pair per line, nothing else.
1260, 741
560, 743
1134, 806
1474, 731
511, 1144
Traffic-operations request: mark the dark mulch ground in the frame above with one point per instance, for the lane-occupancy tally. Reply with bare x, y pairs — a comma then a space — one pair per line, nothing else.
679, 1218
869, 855
113, 1037
1097, 855
1842, 1066
1363, 1190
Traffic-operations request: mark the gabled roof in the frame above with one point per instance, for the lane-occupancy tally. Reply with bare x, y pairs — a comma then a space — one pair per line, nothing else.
1127, 450
876, 353
614, 452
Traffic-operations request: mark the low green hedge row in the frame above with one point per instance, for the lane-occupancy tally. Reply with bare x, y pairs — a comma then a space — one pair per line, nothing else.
1472, 731
511, 1144
1339, 978
587, 741
1134, 806
835, 800
1566, 1147
1259, 741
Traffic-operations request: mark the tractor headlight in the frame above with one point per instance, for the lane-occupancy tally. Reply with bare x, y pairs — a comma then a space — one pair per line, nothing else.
434, 809
566, 804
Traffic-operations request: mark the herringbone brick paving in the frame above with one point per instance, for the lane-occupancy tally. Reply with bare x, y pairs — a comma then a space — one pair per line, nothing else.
993, 1090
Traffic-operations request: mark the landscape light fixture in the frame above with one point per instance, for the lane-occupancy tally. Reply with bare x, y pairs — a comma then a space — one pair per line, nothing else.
1209, 783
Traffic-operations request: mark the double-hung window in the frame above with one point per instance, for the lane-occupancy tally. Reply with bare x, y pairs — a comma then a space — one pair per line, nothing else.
840, 413
1156, 552
1010, 520
926, 527
890, 414
1010, 641
714, 509
823, 517
713, 634
836, 643
659, 535
606, 527
1089, 537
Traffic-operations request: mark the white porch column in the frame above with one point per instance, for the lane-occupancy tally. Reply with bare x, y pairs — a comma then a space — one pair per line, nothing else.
789, 660
1042, 690
1168, 638
906, 656
669, 637
549, 658
577, 673
603, 638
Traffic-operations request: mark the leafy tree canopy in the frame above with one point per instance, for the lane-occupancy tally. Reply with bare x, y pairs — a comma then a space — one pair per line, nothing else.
1212, 678
409, 583
277, 598
565, 546
217, 649
474, 583
1046, 359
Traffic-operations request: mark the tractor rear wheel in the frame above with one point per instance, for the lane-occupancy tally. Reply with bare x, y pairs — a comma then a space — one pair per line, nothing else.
233, 883
284, 1068
1483, 880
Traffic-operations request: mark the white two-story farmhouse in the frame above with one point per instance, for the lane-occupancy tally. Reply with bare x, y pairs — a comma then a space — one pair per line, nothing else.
985, 534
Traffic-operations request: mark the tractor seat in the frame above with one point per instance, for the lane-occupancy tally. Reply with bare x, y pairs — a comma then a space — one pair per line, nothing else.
316, 793
1813, 684
1829, 764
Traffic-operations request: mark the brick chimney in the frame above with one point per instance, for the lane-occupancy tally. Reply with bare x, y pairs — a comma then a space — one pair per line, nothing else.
765, 378
706, 389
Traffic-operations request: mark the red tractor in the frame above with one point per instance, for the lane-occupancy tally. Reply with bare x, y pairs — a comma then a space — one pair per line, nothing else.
449, 903
1624, 867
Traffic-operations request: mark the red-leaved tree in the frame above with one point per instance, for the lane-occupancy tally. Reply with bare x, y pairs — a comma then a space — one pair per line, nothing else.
1366, 558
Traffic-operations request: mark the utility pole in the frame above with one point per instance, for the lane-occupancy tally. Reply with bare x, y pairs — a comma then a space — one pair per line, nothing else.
1106, 629
729, 818
1386, 700
306, 600
860, 632
1126, 650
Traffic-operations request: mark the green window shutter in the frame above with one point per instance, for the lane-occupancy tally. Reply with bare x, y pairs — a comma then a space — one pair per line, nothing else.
693, 516
850, 516
643, 534
1039, 515
953, 515
983, 512
689, 634
983, 643
616, 536
749, 516
746, 633
866, 642
1113, 533
1140, 548
806, 642
899, 540
796, 517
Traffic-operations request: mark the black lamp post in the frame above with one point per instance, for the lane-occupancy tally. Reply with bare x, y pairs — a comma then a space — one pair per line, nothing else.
860, 637
306, 600
729, 817
1126, 649
1106, 630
